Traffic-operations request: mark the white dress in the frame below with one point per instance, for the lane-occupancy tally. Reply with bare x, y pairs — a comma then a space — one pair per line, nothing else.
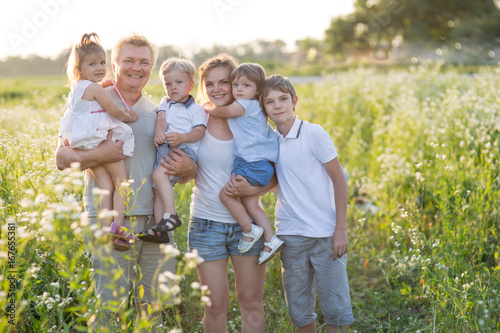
85, 124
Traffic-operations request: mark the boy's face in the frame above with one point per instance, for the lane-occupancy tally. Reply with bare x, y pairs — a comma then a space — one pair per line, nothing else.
243, 88
280, 106
178, 86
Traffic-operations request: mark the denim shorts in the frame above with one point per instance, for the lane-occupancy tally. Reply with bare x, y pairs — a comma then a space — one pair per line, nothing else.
308, 267
258, 173
164, 149
218, 240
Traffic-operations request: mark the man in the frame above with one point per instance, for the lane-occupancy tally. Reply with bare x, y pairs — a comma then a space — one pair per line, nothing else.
133, 58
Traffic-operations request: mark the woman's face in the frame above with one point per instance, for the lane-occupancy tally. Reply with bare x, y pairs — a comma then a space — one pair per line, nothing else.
218, 86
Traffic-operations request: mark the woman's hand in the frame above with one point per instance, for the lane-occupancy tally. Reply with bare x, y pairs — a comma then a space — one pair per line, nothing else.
238, 186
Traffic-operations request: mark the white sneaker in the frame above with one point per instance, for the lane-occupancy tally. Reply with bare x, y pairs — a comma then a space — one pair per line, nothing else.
275, 244
256, 233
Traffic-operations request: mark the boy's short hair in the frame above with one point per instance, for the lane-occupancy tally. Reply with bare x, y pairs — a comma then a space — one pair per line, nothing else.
176, 64
277, 82
253, 72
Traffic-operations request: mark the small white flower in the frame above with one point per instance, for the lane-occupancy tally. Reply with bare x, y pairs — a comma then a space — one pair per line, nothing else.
206, 300
75, 166
99, 191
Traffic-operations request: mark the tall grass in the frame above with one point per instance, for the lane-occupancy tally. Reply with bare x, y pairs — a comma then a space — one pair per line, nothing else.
421, 145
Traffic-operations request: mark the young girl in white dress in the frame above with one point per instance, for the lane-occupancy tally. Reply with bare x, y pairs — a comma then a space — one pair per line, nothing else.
90, 115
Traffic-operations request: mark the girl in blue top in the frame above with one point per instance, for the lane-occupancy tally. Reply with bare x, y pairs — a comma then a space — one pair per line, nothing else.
255, 147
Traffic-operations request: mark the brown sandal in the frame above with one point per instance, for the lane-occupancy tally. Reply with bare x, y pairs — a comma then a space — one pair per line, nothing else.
170, 223
159, 233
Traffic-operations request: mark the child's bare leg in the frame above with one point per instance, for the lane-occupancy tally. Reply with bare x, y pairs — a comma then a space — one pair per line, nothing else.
237, 210
118, 175
158, 209
259, 216
165, 189
105, 183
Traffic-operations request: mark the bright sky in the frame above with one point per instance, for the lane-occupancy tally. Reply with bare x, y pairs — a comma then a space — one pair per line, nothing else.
46, 27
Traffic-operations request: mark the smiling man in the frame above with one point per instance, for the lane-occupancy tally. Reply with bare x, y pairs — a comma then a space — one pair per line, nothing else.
133, 58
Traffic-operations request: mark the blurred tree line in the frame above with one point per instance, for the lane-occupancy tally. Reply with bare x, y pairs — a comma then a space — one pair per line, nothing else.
392, 31
454, 31
273, 55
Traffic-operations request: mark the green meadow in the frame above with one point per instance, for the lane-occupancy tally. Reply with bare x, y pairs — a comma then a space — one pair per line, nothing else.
421, 150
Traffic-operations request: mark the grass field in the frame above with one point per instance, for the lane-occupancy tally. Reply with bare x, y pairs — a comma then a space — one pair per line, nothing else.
420, 145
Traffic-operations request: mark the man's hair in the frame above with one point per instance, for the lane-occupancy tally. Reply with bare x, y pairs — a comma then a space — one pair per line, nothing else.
134, 39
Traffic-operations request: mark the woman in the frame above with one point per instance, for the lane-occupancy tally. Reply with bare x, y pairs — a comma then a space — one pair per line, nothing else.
212, 229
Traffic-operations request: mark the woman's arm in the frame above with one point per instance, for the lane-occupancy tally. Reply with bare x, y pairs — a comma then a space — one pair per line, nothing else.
107, 151
103, 98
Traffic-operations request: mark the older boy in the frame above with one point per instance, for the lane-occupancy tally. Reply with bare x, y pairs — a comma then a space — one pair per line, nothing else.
311, 218
180, 124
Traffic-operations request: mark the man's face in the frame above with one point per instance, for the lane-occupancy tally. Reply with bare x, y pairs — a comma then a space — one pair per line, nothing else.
133, 66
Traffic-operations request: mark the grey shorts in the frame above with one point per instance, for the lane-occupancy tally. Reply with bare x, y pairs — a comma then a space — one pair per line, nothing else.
147, 255
308, 266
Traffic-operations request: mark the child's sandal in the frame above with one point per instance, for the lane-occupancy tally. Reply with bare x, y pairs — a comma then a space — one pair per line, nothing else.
119, 239
275, 244
159, 233
255, 233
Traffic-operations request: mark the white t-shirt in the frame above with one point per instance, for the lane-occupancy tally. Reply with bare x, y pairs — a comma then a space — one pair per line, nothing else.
306, 202
215, 163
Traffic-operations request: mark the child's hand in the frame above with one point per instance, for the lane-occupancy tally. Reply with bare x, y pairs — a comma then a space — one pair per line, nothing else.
160, 138
174, 138
208, 107
133, 115
106, 83
340, 243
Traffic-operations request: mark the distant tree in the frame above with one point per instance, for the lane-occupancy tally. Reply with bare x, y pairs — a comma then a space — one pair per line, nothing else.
168, 51
310, 50
378, 24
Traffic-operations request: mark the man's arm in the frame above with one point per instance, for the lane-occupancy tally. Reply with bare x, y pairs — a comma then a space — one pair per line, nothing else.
180, 165
107, 151
340, 240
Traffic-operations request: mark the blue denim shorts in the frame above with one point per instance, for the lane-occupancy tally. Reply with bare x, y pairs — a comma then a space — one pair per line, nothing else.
218, 240
258, 173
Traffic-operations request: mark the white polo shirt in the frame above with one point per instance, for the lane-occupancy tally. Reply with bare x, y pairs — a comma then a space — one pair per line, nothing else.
306, 202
